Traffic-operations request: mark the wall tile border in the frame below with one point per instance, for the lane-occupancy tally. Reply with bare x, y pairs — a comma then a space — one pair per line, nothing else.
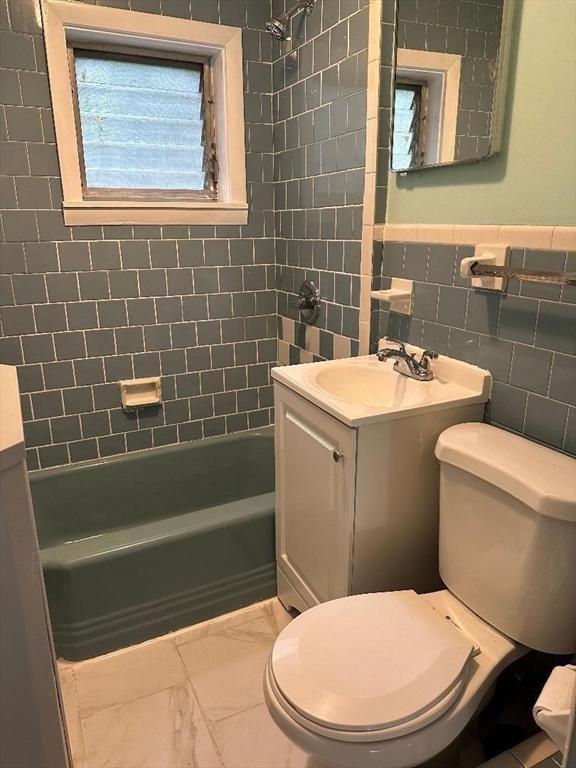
370, 178
544, 237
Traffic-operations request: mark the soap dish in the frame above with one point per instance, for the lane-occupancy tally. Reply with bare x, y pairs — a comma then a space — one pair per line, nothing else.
139, 393
398, 296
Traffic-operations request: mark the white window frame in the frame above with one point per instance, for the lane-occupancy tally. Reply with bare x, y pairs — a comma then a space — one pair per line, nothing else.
69, 22
441, 73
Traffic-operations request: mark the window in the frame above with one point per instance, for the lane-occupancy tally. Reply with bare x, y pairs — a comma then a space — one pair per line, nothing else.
146, 125
149, 116
409, 125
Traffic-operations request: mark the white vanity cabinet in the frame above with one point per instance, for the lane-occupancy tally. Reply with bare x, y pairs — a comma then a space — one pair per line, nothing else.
315, 488
356, 505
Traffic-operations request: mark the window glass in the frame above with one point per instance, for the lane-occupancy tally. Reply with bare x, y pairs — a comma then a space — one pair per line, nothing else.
142, 122
406, 126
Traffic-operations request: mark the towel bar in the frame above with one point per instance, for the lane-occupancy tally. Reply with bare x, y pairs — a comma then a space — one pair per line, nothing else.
533, 275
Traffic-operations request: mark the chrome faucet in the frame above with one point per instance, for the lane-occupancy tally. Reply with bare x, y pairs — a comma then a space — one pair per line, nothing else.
406, 363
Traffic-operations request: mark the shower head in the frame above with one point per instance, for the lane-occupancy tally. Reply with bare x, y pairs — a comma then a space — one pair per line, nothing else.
279, 27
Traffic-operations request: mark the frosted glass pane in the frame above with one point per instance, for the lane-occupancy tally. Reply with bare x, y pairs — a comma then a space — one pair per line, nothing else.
141, 123
405, 127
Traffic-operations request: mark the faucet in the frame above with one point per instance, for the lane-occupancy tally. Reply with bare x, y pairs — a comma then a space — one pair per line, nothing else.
406, 363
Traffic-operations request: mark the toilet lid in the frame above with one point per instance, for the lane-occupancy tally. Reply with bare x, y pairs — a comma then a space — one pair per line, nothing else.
370, 662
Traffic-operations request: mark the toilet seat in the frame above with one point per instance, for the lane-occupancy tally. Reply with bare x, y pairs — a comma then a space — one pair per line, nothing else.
369, 667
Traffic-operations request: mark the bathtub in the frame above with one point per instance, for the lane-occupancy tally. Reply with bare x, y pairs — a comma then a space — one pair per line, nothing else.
143, 544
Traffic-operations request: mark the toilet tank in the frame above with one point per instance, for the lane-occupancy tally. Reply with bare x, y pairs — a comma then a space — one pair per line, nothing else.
508, 533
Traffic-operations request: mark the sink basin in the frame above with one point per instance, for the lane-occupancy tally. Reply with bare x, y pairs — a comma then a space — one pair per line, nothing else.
372, 384
361, 389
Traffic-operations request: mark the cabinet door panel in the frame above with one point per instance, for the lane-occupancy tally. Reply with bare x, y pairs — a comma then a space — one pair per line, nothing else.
315, 500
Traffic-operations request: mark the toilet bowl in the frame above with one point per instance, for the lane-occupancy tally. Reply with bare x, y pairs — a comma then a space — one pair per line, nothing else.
385, 679
389, 680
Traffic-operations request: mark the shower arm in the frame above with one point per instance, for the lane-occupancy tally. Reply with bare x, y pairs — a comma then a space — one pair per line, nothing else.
301, 5
279, 27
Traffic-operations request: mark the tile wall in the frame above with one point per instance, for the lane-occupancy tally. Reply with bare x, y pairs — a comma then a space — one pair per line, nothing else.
320, 93
84, 307
204, 307
525, 336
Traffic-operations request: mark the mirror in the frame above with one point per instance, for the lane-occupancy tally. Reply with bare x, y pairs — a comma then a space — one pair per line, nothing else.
450, 81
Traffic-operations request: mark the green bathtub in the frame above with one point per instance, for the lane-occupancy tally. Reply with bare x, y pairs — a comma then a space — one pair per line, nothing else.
146, 543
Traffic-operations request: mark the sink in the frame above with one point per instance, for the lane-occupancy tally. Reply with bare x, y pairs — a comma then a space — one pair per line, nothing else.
372, 384
360, 390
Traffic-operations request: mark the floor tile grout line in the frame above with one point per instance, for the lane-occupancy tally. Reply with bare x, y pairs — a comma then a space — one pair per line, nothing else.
206, 721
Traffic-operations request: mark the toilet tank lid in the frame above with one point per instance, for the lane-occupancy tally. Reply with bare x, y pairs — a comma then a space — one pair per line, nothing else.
540, 477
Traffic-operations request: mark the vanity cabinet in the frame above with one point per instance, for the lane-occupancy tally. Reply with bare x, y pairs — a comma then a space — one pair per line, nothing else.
315, 488
356, 506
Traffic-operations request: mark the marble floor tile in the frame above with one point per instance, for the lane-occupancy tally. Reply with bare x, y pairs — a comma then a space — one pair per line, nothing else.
551, 762
140, 707
252, 739
277, 616
162, 730
533, 750
72, 714
218, 623
226, 668
126, 675
505, 760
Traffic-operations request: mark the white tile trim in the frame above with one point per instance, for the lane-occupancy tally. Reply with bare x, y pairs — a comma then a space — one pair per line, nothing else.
313, 339
373, 86
369, 200
283, 352
564, 239
342, 346
96, 212
374, 30
542, 238
288, 330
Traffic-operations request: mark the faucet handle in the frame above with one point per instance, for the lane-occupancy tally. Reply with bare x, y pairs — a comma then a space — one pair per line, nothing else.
400, 344
427, 355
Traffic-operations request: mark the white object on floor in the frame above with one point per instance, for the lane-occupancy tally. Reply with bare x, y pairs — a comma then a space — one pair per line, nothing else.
552, 708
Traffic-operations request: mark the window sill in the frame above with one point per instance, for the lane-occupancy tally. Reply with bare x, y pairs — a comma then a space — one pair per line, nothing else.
94, 212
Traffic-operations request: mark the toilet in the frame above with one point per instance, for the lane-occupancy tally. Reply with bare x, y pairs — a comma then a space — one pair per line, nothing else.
389, 680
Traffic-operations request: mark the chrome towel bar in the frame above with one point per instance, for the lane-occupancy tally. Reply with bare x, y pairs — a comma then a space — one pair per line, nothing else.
533, 275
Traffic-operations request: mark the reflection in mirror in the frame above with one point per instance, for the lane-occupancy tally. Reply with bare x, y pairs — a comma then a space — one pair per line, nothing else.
450, 78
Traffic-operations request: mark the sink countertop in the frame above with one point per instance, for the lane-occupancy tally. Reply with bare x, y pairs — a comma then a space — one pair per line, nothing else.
362, 390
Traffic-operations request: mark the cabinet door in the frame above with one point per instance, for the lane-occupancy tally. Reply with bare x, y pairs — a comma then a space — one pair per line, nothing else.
315, 470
